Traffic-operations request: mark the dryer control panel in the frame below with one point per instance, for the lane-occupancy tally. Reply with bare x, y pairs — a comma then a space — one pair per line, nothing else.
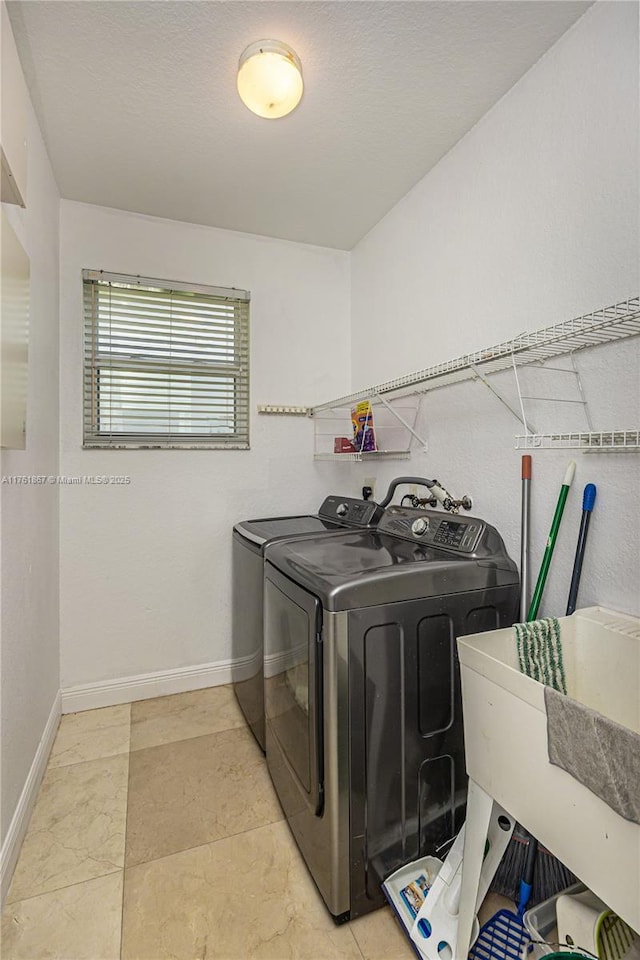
350, 511
461, 534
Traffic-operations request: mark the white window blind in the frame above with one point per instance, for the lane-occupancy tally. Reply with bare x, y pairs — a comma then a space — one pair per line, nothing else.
166, 364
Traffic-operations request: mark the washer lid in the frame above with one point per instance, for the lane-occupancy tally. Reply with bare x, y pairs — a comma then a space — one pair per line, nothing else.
269, 529
335, 513
360, 569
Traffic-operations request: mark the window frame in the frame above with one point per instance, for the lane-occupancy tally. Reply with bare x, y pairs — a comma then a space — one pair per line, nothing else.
93, 437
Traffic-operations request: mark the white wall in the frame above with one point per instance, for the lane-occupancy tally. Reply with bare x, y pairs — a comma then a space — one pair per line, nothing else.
531, 219
145, 569
29, 647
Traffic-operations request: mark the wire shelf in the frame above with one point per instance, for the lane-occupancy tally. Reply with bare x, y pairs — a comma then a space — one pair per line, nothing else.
602, 326
393, 428
369, 455
605, 441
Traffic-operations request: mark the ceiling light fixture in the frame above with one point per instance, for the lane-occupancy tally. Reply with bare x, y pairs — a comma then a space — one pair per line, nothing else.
270, 78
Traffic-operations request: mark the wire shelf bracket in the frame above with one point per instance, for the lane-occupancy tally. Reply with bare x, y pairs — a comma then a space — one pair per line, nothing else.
519, 416
402, 421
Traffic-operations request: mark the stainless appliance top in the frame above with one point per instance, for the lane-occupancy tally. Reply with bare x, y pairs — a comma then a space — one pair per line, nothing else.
412, 553
335, 514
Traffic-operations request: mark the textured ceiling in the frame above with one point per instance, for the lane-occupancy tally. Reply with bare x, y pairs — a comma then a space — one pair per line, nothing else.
139, 110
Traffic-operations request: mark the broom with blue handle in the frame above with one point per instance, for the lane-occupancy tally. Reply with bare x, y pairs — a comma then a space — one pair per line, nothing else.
588, 502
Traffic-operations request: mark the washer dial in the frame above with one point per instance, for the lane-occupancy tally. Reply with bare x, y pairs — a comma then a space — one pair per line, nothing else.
419, 526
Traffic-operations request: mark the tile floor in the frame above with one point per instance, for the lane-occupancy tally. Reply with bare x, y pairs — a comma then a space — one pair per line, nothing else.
156, 835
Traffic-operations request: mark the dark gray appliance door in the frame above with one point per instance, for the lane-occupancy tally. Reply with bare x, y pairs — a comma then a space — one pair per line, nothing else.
246, 633
293, 691
407, 772
249, 540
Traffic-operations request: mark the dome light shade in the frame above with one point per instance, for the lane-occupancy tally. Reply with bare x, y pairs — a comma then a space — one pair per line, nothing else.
270, 79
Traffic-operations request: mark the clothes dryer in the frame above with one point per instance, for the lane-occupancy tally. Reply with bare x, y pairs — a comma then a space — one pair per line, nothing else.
364, 728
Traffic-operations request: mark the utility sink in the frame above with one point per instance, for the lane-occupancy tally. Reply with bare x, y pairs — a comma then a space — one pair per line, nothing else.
505, 725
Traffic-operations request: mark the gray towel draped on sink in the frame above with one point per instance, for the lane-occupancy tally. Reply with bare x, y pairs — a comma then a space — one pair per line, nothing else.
602, 754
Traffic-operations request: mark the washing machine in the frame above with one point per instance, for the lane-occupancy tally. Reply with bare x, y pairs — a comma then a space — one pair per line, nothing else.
250, 537
364, 736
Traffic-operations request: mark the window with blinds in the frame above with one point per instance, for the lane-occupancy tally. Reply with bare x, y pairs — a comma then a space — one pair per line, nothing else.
166, 364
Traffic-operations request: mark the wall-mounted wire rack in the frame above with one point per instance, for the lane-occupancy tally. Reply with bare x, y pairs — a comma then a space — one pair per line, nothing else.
393, 426
617, 322
604, 441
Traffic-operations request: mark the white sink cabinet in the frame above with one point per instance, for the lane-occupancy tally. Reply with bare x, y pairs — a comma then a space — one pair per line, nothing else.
505, 725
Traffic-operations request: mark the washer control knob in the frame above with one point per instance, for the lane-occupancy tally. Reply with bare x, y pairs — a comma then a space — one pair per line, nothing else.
342, 509
420, 526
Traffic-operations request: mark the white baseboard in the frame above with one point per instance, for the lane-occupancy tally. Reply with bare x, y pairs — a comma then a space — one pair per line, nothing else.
108, 693
24, 809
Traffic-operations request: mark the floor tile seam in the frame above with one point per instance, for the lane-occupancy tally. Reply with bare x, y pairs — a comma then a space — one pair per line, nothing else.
359, 948
77, 763
65, 886
196, 846
81, 763
124, 849
196, 736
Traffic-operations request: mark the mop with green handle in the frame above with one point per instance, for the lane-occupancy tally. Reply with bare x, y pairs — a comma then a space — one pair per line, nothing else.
551, 541
522, 852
